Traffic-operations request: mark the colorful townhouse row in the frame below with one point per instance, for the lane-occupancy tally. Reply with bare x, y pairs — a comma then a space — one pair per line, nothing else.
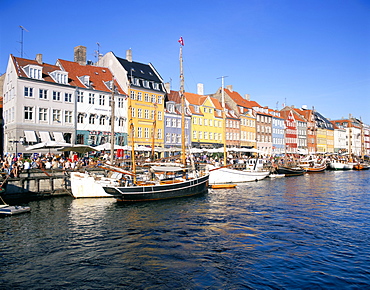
71, 102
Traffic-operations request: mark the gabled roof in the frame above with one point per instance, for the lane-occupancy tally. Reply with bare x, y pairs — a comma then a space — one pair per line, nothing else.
240, 101
19, 63
99, 76
141, 72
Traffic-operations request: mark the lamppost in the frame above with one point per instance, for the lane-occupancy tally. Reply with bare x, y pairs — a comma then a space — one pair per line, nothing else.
14, 141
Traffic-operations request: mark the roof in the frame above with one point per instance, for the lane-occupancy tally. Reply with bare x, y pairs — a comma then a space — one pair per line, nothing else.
99, 76
19, 63
141, 71
240, 101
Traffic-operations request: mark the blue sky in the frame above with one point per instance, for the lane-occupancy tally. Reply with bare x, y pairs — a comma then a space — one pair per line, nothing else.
297, 52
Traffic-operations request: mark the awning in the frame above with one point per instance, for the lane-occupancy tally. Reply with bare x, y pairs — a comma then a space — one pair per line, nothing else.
58, 137
30, 136
45, 136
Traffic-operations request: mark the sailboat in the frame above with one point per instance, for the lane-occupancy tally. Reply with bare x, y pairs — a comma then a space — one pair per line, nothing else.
225, 175
125, 186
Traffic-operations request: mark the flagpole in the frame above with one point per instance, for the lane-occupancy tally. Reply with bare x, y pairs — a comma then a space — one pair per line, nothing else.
182, 97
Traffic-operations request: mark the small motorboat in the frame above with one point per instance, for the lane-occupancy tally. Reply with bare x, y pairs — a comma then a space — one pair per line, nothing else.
6, 209
223, 186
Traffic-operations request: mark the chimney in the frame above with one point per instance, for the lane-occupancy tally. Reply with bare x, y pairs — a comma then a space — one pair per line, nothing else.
167, 86
247, 97
200, 89
80, 54
129, 55
39, 58
230, 87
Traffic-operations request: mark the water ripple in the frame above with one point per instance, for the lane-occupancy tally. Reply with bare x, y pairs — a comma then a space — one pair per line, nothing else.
308, 232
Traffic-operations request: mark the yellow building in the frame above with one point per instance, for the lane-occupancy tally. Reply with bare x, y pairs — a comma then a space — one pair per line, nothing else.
146, 89
206, 123
330, 140
243, 108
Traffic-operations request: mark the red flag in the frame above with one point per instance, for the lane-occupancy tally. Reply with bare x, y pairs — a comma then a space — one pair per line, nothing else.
181, 41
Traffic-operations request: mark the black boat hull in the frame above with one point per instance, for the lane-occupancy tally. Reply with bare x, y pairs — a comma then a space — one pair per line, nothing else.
164, 191
290, 171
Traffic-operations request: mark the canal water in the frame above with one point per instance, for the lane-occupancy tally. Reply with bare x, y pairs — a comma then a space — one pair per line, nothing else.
305, 232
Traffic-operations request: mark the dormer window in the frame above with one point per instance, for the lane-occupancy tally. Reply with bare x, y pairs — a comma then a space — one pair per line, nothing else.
33, 71
60, 77
171, 108
196, 109
109, 85
85, 80
146, 84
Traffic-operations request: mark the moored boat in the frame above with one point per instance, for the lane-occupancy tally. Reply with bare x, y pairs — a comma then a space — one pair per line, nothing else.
361, 166
290, 171
223, 175
6, 209
223, 186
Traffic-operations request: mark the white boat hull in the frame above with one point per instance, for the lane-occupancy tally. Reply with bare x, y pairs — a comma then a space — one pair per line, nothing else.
84, 185
227, 175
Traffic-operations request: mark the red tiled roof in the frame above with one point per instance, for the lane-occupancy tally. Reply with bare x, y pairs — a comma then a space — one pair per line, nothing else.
240, 101
19, 63
98, 75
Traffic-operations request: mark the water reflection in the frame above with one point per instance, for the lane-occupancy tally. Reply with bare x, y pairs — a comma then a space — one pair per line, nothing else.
310, 231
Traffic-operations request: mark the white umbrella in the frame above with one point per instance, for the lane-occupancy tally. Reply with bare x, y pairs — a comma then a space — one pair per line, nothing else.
143, 148
107, 146
48, 145
79, 148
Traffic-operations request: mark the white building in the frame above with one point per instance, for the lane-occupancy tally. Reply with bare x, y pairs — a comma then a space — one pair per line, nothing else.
41, 100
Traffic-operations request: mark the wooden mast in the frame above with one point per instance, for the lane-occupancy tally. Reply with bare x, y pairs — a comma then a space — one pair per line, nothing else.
223, 118
154, 130
182, 97
112, 139
132, 132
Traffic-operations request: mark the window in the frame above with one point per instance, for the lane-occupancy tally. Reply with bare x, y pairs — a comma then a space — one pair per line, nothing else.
159, 133
168, 138
179, 123
154, 99
43, 94
160, 116
146, 97
91, 98
92, 119
146, 132
159, 99
43, 116
139, 96
80, 118
68, 116
28, 113
80, 97
152, 114
195, 134
28, 92
101, 100
68, 97
56, 115
139, 113
139, 132
174, 122
102, 120
173, 135
120, 102
168, 122
56, 96
133, 95
146, 114
121, 122
132, 112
